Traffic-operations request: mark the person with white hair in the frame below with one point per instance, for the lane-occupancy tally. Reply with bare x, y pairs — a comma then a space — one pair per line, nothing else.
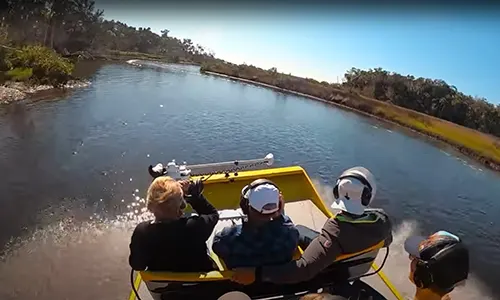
354, 228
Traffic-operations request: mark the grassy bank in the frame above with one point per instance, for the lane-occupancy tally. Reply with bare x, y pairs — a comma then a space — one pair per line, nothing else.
484, 148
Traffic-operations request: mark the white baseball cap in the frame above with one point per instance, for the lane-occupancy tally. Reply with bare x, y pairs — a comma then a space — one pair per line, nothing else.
263, 198
350, 191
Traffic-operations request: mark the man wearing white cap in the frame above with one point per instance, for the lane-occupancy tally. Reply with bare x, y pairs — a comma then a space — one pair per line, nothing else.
267, 237
354, 228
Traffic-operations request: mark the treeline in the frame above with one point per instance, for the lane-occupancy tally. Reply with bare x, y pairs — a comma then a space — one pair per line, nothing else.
430, 96
485, 148
76, 29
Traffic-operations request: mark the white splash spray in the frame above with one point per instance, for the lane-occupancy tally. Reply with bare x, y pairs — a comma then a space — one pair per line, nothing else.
397, 266
71, 259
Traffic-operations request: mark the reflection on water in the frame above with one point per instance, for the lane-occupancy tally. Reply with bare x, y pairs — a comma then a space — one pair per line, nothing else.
21, 123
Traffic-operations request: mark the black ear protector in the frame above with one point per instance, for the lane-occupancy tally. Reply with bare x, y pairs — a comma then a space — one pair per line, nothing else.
366, 196
248, 188
423, 276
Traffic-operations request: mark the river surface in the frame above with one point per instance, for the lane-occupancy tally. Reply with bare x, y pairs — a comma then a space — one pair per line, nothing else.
75, 168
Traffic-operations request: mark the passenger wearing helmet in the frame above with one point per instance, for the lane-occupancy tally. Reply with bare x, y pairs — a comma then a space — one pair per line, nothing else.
352, 230
439, 263
267, 237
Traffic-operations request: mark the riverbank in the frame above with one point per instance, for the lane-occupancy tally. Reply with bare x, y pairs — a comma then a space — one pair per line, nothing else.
479, 146
17, 91
12, 91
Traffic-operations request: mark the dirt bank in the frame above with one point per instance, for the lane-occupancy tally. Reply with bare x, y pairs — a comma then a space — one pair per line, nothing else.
17, 91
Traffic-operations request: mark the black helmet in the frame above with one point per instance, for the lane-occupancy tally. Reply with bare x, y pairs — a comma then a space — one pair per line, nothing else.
443, 260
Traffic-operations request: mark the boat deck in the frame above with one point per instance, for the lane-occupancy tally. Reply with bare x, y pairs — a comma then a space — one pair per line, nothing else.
304, 213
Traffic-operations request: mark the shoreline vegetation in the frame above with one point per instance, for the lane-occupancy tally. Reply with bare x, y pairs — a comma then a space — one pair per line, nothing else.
40, 42
480, 146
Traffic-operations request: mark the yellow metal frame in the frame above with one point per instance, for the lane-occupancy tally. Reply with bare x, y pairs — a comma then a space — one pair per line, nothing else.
224, 193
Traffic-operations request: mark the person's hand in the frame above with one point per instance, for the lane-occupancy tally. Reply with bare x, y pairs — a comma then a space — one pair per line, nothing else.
243, 275
196, 188
185, 184
156, 171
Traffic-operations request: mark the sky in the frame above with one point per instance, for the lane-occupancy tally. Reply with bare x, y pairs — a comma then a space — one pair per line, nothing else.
460, 46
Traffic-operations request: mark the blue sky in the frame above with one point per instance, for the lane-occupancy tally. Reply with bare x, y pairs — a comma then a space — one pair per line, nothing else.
461, 48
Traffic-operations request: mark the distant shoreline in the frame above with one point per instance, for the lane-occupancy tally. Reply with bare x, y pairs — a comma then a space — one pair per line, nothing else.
464, 150
122, 56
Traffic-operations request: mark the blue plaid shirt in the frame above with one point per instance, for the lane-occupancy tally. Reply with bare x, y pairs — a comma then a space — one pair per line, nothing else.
246, 246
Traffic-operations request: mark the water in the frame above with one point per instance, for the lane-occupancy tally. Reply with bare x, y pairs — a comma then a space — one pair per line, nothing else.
72, 167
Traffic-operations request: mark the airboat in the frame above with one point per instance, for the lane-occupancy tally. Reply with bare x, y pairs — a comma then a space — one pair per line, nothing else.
223, 183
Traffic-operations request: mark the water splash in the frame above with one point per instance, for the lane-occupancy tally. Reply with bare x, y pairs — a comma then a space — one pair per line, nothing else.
73, 256
324, 190
68, 261
397, 266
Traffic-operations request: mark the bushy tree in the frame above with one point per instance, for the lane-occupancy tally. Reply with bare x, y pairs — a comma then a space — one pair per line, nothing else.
45, 65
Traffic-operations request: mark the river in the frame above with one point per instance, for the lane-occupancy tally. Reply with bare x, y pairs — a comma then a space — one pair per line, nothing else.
72, 166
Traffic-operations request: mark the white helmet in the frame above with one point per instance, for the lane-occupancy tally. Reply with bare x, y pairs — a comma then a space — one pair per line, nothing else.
354, 190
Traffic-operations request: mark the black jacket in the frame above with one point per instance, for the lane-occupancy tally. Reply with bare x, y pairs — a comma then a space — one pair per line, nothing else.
342, 234
177, 246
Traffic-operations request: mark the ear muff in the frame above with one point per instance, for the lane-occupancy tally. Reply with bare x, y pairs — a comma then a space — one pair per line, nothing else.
245, 191
244, 205
366, 195
423, 275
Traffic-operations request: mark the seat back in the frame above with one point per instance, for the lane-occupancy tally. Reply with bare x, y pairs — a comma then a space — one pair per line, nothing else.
347, 267
359, 265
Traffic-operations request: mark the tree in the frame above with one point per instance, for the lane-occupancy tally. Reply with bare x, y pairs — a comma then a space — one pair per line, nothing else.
71, 26
431, 96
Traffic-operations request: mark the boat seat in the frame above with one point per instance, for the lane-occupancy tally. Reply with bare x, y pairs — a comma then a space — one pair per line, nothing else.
190, 285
